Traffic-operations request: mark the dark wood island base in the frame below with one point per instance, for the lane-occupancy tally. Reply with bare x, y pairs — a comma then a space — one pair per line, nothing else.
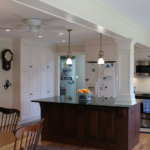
97, 126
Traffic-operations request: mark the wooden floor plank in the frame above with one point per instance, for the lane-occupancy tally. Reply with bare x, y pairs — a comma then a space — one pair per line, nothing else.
144, 144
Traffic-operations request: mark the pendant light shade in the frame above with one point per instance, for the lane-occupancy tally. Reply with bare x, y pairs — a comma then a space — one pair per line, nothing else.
101, 53
69, 54
101, 61
69, 61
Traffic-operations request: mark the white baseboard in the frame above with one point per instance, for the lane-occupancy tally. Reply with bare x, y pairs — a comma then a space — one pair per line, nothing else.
29, 120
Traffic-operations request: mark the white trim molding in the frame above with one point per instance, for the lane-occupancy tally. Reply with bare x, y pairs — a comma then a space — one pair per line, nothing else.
125, 94
57, 71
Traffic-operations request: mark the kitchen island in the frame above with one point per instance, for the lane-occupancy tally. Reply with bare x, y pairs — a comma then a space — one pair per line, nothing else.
96, 123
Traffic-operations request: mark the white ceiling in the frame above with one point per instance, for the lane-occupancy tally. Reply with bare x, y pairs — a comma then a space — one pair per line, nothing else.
11, 11
138, 11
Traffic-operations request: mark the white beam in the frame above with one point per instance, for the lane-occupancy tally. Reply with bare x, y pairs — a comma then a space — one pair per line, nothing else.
103, 17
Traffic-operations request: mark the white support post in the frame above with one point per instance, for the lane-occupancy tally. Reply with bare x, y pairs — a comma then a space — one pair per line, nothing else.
125, 61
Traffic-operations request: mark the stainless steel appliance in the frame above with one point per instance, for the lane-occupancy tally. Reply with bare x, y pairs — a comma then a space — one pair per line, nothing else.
145, 116
143, 67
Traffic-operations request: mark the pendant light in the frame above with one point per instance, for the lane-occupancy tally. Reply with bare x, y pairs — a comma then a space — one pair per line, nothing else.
101, 53
69, 55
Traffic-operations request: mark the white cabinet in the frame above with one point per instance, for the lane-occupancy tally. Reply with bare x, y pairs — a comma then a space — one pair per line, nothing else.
92, 52
29, 57
109, 52
25, 96
47, 58
30, 91
143, 55
30, 62
47, 84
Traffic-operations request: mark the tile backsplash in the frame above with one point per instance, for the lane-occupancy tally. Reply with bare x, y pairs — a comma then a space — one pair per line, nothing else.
142, 84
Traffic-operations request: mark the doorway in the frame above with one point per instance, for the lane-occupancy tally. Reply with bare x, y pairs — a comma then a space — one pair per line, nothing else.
71, 77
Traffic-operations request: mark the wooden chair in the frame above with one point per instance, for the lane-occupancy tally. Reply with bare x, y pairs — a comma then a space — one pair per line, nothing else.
29, 136
9, 119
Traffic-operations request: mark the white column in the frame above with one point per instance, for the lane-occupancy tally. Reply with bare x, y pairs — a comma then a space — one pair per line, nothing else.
125, 65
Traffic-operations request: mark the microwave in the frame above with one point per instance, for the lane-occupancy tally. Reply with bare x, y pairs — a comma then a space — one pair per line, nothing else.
143, 68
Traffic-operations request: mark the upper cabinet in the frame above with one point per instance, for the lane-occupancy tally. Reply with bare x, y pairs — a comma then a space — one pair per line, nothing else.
47, 58
143, 55
92, 52
29, 57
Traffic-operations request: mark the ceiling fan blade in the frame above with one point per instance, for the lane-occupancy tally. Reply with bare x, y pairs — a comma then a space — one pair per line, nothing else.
8, 28
54, 28
21, 23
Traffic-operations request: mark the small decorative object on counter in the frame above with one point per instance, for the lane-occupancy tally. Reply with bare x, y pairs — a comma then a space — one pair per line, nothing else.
84, 94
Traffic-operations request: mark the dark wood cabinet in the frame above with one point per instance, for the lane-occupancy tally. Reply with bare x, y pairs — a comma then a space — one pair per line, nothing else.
93, 124
112, 128
55, 117
109, 125
69, 121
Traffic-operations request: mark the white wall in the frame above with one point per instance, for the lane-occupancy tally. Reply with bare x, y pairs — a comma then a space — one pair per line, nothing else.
142, 84
80, 72
6, 95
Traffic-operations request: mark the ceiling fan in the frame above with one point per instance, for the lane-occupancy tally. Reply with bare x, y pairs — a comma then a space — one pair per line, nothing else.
35, 25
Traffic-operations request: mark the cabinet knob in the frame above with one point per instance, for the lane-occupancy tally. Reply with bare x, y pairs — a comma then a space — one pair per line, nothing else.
47, 66
48, 91
30, 66
30, 93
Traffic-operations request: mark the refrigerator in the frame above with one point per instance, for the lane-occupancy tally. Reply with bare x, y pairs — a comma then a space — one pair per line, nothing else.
101, 79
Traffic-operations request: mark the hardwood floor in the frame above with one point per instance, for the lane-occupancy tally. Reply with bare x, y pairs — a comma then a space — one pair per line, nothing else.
144, 144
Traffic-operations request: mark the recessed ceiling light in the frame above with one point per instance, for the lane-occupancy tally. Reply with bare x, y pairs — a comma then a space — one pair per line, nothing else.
40, 36
7, 30
61, 33
63, 41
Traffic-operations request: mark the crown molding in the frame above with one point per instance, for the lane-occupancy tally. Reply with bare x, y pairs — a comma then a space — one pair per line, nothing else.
5, 39
71, 44
93, 14
39, 43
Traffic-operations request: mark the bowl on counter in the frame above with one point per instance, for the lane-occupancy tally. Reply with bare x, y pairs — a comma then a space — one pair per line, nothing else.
85, 96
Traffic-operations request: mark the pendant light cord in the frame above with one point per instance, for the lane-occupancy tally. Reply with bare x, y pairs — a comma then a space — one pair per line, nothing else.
69, 30
100, 42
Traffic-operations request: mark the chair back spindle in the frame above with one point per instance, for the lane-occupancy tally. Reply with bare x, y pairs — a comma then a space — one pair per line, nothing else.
8, 119
29, 136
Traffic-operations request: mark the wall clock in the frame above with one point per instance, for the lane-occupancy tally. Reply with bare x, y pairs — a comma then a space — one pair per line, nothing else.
7, 57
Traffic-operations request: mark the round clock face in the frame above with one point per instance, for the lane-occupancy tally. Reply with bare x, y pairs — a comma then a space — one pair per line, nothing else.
8, 56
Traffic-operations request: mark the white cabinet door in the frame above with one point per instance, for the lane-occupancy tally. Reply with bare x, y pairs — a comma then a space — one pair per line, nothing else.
143, 55
50, 81
109, 52
29, 57
30, 91
43, 84
35, 108
92, 52
50, 58
43, 57
25, 57
47, 84
34, 56
47, 58
25, 96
